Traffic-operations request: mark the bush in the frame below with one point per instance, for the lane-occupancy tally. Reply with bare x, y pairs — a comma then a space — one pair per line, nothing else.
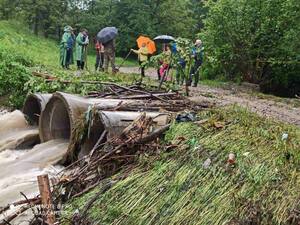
255, 41
13, 75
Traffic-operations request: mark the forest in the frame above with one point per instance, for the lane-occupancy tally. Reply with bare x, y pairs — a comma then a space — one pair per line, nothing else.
255, 41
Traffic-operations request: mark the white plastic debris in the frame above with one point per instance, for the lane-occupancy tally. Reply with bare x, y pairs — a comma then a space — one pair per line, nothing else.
284, 136
207, 163
231, 158
246, 154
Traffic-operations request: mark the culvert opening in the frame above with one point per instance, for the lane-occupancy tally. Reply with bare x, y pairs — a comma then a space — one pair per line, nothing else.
93, 136
60, 127
55, 122
32, 110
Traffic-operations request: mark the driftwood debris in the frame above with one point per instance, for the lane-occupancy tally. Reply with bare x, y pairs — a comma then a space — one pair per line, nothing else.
25, 205
108, 159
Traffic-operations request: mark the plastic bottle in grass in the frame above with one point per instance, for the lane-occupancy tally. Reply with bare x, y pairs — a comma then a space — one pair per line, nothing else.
231, 159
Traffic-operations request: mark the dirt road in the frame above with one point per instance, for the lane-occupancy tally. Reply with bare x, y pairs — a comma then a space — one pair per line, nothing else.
285, 110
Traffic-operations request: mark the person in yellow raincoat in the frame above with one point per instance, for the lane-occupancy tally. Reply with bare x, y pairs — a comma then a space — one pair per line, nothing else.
142, 53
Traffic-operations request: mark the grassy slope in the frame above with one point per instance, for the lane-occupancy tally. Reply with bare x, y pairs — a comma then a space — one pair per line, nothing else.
16, 37
174, 188
22, 52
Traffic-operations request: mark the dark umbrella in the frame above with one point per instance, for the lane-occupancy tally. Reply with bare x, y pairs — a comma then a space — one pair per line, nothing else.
107, 34
164, 39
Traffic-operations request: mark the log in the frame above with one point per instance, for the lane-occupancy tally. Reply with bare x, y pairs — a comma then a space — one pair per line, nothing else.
46, 198
8, 219
15, 215
35, 200
150, 95
154, 134
43, 75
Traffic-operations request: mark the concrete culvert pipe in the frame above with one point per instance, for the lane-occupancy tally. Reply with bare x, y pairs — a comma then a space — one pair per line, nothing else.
34, 105
61, 112
114, 123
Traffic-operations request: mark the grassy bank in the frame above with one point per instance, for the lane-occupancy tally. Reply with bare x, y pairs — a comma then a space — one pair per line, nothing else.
176, 188
15, 37
21, 52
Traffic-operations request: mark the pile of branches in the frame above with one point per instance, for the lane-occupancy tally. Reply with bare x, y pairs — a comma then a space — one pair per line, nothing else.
152, 99
107, 158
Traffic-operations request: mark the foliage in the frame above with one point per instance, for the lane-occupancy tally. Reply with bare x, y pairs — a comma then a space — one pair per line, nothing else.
184, 53
256, 41
175, 187
13, 75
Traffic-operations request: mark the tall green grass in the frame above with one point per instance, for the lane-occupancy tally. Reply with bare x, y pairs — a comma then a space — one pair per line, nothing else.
174, 188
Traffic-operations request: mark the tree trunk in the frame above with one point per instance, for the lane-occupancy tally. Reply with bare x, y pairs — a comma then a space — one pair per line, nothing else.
36, 24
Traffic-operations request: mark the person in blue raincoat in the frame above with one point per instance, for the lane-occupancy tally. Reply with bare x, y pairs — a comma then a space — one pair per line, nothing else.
66, 47
198, 54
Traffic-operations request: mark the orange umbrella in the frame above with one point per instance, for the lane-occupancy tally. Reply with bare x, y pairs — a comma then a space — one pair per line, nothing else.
149, 44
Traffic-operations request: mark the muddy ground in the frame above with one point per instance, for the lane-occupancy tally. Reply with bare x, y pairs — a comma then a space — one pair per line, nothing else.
285, 110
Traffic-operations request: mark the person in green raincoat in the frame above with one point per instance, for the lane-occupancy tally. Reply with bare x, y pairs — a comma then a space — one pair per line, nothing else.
82, 41
66, 47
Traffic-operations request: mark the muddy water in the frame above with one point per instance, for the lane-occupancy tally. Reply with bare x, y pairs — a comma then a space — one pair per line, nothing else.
13, 120
15, 131
19, 168
19, 138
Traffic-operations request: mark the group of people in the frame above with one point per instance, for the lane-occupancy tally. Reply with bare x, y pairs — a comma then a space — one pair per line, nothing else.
105, 53
166, 62
197, 54
67, 44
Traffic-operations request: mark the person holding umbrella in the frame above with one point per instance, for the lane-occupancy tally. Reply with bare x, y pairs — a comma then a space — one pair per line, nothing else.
162, 71
166, 62
107, 37
82, 41
110, 56
66, 47
146, 48
142, 57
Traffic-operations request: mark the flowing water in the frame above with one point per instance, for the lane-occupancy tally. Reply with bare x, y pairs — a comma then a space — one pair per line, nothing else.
19, 168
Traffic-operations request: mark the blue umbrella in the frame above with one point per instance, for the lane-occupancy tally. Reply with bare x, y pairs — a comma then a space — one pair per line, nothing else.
107, 34
164, 39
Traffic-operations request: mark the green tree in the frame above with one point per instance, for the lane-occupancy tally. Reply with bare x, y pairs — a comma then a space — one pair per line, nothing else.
249, 40
8, 9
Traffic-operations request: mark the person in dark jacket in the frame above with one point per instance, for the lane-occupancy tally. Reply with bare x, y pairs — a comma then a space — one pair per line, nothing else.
197, 53
109, 56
